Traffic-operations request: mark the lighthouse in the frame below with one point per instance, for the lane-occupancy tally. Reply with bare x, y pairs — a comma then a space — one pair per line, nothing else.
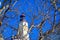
23, 29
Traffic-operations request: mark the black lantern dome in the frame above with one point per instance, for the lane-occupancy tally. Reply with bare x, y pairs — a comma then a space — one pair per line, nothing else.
21, 16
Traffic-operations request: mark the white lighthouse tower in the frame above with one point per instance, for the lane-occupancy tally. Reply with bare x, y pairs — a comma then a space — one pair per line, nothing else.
23, 29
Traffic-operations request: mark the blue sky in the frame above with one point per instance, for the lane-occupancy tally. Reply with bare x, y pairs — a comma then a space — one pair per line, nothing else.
23, 6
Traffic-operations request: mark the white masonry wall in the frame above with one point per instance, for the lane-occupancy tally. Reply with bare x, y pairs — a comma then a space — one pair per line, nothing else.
23, 30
